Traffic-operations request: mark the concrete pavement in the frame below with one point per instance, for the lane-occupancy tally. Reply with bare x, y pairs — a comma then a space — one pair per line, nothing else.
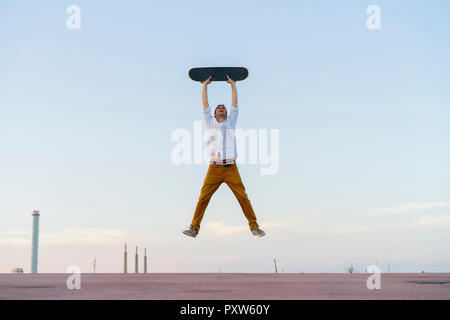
226, 286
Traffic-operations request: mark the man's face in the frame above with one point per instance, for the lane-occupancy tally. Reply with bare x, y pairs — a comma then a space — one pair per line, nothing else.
221, 111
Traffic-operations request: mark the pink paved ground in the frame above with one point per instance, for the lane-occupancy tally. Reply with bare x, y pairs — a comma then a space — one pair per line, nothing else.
224, 286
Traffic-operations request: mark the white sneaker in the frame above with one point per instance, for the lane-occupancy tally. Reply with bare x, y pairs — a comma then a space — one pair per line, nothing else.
256, 231
191, 232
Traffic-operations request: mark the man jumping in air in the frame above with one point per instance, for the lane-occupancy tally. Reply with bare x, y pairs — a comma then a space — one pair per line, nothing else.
222, 166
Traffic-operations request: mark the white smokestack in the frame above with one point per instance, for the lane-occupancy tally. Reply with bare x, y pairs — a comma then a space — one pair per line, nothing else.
35, 242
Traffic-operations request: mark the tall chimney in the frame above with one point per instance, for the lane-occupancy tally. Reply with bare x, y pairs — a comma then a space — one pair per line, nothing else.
125, 260
145, 260
136, 261
35, 242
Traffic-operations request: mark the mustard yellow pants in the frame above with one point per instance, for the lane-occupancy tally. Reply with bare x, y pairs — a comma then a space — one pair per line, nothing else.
214, 177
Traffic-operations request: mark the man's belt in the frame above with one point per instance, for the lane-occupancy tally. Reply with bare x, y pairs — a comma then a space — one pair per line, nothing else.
223, 162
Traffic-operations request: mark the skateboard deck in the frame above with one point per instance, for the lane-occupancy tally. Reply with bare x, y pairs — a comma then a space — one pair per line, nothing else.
218, 73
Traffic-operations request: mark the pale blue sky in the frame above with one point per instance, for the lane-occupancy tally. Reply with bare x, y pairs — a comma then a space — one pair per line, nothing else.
86, 117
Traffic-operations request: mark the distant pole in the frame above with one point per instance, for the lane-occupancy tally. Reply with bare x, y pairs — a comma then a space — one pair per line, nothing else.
275, 261
35, 241
125, 260
136, 261
145, 260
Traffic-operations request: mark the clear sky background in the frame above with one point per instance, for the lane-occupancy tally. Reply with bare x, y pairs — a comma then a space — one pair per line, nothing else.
86, 118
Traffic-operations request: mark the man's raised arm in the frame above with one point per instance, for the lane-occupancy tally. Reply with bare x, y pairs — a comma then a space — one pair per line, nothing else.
205, 93
234, 101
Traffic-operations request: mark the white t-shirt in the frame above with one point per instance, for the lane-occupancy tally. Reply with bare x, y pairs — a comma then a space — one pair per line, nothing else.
221, 140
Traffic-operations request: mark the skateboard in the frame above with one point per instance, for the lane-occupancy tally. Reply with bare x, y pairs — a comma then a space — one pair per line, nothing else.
218, 73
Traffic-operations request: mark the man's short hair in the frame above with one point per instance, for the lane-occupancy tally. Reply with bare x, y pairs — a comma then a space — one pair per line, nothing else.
219, 105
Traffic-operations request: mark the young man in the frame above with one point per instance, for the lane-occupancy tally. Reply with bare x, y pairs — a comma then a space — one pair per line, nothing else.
222, 166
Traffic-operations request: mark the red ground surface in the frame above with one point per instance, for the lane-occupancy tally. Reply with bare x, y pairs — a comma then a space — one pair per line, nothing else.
224, 286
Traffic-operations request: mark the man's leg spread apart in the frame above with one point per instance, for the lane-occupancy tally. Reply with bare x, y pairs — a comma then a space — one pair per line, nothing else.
210, 185
234, 182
